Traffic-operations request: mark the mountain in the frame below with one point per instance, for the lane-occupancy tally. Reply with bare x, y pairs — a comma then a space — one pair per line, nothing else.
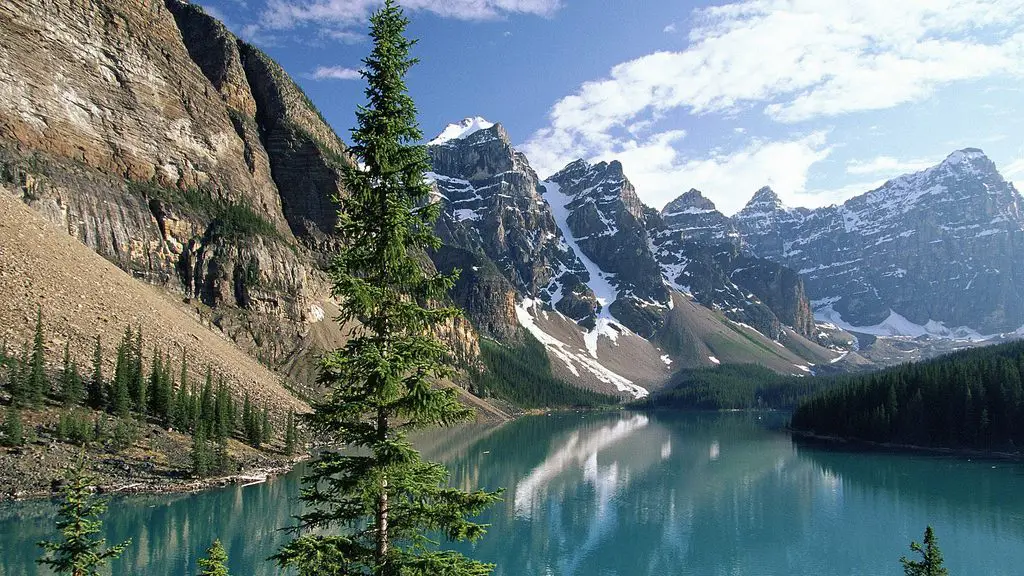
699, 251
582, 265
184, 156
939, 252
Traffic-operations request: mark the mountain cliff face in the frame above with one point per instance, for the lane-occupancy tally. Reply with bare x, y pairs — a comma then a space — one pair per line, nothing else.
179, 153
699, 251
938, 252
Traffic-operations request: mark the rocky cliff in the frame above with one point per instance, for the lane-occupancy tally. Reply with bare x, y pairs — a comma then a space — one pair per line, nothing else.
179, 153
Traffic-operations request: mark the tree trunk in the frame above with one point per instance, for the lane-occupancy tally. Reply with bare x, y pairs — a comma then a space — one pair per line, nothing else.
382, 506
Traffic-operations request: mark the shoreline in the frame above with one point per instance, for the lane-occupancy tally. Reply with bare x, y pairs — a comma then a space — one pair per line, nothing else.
857, 444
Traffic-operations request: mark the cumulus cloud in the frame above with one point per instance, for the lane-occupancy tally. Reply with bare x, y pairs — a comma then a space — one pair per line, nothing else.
670, 29
335, 73
888, 165
660, 173
337, 16
794, 60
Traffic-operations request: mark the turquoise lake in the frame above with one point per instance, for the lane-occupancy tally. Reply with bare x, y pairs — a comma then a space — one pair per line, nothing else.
624, 494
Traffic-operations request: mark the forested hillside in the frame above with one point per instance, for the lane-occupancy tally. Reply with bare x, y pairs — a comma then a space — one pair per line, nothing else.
970, 399
733, 386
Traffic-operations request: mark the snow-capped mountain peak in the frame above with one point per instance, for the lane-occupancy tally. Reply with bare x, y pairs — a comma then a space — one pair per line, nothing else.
690, 202
460, 130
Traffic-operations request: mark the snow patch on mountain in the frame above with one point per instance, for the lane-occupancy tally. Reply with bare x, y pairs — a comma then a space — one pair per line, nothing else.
574, 360
599, 283
897, 325
460, 130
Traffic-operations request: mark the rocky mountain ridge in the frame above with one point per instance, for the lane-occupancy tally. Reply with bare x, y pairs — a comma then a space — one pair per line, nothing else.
581, 244
939, 252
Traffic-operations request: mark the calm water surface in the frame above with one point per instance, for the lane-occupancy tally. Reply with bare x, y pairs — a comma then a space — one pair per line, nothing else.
625, 494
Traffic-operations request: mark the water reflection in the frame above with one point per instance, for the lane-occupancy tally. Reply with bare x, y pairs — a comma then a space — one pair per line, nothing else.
626, 494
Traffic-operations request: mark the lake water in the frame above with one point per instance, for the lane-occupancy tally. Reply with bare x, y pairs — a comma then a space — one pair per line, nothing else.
625, 494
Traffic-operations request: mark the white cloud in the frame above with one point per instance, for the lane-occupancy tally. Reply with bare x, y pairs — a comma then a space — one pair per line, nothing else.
335, 73
1015, 168
795, 59
888, 165
660, 173
670, 29
333, 16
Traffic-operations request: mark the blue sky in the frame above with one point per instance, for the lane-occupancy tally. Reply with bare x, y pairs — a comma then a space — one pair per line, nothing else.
821, 99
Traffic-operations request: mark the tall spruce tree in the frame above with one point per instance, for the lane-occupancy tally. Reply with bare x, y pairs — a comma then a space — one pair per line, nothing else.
72, 390
137, 382
18, 379
371, 512
930, 563
94, 391
290, 434
79, 552
38, 385
216, 561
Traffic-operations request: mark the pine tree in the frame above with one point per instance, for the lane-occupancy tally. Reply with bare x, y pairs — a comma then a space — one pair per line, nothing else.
207, 412
71, 389
137, 381
216, 561
94, 391
38, 386
14, 434
222, 411
79, 552
194, 410
248, 421
931, 558
266, 430
181, 408
201, 457
18, 379
386, 499
290, 436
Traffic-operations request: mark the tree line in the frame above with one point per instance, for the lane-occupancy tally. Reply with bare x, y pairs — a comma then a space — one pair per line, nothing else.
163, 394
970, 399
732, 387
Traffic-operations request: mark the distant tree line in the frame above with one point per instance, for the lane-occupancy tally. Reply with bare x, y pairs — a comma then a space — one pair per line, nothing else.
163, 394
522, 375
969, 399
732, 387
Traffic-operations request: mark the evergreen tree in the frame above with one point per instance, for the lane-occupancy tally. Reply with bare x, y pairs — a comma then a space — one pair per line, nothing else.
216, 561
18, 379
181, 408
386, 499
222, 411
14, 434
79, 552
249, 422
266, 430
194, 410
207, 408
290, 436
119, 397
94, 391
38, 386
201, 457
930, 563
137, 383
72, 390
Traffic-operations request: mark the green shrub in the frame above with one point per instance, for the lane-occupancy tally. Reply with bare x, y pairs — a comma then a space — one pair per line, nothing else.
75, 427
